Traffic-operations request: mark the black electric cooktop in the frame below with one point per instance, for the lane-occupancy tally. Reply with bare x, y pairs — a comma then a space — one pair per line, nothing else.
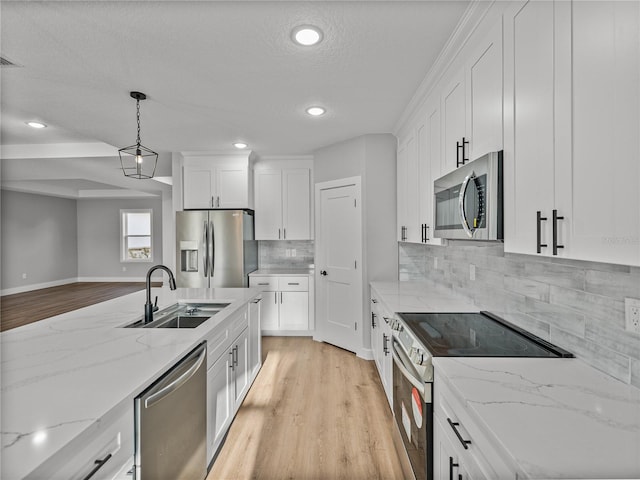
481, 334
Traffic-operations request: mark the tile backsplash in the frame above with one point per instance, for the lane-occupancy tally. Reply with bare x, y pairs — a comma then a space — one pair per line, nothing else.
285, 253
574, 304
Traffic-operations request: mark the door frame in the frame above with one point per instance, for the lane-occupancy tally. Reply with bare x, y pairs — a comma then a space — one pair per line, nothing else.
319, 334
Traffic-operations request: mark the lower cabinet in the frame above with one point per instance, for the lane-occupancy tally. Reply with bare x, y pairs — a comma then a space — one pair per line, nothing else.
99, 454
285, 305
381, 345
462, 451
231, 372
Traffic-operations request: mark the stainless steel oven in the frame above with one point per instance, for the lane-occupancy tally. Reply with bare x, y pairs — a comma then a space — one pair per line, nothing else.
468, 201
418, 338
413, 412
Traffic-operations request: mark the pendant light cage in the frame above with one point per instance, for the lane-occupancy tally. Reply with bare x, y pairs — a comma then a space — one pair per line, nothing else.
138, 161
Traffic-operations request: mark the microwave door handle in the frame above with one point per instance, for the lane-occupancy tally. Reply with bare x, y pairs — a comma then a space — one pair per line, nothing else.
463, 193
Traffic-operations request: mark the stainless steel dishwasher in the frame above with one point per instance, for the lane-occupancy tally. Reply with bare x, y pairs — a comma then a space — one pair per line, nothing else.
170, 423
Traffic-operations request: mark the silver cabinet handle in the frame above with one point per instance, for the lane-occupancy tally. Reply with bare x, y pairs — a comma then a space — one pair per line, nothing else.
231, 365
213, 204
278, 234
280, 297
275, 297
178, 382
554, 225
256, 300
263, 283
293, 283
284, 233
98, 466
212, 254
235, 357
218, 202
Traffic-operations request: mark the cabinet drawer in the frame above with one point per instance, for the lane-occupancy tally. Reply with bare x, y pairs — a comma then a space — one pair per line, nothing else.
238, 322
269, 284
488, 458
293, 284
110, 442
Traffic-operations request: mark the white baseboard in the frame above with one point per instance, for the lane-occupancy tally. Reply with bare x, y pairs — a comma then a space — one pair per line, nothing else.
287, 333
37, 286
65, 281
113, 279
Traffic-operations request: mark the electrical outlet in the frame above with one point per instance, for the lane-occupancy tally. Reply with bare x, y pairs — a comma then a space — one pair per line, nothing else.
293, 252
472, 272
124, 269
632, 314
24, 276
288, 252
435, 263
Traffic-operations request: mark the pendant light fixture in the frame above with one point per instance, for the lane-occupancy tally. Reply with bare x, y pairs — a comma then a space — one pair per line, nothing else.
137, 160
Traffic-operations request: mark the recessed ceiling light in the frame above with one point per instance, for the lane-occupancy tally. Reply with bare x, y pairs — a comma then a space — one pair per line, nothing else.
240, 145
36, 124
315, 111
306, 35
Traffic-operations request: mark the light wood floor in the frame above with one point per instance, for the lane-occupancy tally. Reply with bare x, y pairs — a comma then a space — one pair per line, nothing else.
315, 412
28, 307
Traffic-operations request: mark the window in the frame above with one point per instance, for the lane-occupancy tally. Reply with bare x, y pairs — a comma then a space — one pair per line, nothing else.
136, 228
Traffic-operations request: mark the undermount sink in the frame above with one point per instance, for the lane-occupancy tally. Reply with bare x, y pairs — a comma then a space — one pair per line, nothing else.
181, 315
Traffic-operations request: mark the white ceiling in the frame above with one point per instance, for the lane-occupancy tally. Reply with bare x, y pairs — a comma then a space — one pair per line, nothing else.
214, 72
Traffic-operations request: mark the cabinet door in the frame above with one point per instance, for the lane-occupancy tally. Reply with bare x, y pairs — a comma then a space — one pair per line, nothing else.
606, 149
268, 193
453, 122
401, 189
269, 311
219, 398
232, 187
255, 339
198, 187
296, 204
529, 124
425, 182
294, 310
484, 87
240, 368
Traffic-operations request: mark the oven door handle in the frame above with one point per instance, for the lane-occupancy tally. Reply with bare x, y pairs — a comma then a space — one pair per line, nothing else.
410, 376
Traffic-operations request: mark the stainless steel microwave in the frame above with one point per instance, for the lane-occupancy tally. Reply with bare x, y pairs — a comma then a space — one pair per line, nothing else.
468, 202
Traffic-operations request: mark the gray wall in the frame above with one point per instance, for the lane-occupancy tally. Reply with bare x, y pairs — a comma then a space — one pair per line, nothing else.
373, 158
99, 238
39, 238
574, 304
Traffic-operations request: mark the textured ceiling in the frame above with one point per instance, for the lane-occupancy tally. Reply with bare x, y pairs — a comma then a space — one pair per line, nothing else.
214, 72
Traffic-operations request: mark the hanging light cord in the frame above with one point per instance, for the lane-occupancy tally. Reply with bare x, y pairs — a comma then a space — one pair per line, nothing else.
138, 117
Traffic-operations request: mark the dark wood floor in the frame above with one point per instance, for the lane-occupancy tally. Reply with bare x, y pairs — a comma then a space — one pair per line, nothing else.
28, 307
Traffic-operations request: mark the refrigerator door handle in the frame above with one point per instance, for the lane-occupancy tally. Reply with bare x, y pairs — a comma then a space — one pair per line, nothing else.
212, 249
205, 259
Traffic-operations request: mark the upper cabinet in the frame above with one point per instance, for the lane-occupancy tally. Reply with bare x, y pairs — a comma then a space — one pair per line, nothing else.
472, 103
572, 146
217, 181
283, 203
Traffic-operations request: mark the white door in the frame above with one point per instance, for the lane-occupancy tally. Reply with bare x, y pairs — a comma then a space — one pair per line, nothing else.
339, 237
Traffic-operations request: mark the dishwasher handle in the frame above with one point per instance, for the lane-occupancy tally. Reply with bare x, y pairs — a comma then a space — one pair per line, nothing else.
171, 383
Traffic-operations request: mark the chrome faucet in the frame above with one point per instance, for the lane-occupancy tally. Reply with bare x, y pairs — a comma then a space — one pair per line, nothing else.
149, 308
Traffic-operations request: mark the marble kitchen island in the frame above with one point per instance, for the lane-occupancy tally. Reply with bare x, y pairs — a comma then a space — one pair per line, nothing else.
66, 377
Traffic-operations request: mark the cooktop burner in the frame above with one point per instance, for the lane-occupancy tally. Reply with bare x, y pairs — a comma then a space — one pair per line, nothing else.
476, 335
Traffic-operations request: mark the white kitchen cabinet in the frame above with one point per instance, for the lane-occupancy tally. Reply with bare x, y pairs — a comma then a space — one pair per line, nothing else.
571, 94
286, 304
461, 447
255, 341
104, 450
408, 185
283, 204
219, 402
381, 344
472, 103
603, 222
211, 182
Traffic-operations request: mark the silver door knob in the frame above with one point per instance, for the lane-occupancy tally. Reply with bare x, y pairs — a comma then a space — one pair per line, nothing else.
323, 273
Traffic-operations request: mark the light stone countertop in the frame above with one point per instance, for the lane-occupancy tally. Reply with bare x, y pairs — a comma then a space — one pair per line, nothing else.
62, 375
554, 418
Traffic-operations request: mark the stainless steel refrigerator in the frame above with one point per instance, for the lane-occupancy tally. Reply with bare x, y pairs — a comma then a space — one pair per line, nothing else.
215, 248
